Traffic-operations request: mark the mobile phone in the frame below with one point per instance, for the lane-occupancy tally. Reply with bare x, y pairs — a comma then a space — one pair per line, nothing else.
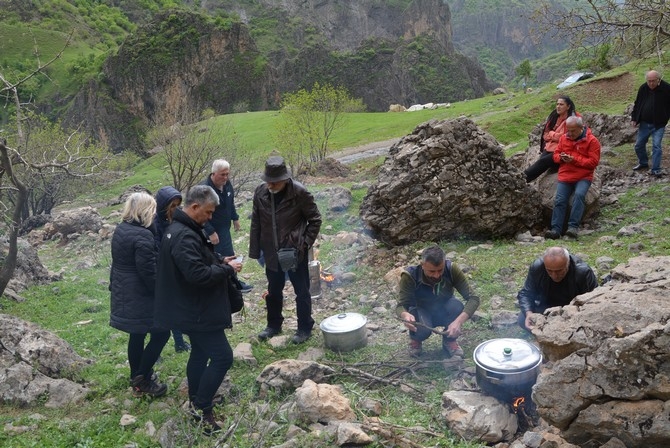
239, 259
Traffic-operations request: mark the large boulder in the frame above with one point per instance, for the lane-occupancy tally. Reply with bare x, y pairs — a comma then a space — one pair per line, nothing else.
610, 359
448, 179
35, 363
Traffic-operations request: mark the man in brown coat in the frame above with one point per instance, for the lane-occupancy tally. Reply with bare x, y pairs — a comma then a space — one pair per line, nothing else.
284, 216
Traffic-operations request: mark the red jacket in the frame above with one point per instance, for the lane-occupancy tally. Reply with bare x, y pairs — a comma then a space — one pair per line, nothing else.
586, 153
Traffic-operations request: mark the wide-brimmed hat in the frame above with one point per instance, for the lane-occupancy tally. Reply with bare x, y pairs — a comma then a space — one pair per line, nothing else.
275, 170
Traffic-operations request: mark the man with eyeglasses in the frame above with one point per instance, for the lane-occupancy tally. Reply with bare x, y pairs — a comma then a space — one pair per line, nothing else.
651, 113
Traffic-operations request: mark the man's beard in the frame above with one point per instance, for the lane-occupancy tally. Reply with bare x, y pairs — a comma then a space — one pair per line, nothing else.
431, 281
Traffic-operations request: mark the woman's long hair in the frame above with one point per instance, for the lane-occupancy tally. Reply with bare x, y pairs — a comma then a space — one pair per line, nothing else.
553, 117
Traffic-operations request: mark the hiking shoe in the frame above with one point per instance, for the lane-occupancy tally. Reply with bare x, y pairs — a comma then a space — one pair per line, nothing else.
656, 173
245, 287
209, 423
268, 333
183, 347
142, 386
451, 348
572, 233
552, 235
415, 348
300, 336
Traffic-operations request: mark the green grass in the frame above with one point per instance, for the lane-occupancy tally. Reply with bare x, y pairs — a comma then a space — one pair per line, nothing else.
77, 307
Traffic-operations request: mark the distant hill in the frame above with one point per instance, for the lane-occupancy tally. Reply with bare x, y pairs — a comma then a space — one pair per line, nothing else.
134, 60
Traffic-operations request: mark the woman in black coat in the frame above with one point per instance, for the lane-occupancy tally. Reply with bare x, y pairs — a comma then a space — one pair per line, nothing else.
132, 284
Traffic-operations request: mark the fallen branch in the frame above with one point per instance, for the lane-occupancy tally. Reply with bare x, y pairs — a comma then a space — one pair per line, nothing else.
389, 433
354, 371
416, 323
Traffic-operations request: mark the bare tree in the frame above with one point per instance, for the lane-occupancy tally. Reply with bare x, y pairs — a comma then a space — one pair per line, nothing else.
638, 27
188, 147
18, 164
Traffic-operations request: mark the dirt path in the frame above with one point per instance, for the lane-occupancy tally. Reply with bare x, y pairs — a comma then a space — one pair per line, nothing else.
354, 153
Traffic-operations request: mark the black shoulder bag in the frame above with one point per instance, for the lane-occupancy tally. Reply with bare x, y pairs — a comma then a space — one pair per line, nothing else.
287, 256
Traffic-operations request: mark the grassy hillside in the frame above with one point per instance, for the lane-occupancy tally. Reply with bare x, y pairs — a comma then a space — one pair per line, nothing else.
495, 268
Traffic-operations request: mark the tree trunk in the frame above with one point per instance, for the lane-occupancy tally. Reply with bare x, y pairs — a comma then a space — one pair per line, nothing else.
8, 267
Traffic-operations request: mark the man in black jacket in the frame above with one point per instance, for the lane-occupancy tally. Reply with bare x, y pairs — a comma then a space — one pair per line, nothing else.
553, 280
192, 295
651, 113
284, 215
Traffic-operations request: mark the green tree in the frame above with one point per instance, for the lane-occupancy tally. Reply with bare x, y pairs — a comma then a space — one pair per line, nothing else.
307, 121
524, 70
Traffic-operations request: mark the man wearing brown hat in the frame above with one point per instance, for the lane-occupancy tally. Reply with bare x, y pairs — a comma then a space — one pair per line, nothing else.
284, 224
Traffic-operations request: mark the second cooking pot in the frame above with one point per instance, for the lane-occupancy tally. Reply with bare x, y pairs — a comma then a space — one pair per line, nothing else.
345, 332
507, 368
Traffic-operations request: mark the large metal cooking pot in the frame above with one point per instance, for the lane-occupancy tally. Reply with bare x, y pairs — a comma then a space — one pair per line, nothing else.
345, 332
507, 368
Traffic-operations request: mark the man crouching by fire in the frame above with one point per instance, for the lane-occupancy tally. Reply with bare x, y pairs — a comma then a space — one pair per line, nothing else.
427, 301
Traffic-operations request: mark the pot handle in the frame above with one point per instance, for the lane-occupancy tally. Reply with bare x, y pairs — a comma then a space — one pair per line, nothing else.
495, 379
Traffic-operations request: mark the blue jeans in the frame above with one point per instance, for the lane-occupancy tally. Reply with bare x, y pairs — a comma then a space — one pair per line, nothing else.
442, 315
563, 192
204, 379
646, 130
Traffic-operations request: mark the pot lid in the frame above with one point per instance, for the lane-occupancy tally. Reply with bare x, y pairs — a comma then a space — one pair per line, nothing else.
507, 355
343, 322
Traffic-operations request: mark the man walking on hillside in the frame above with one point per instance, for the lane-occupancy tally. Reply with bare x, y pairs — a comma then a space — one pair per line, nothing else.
225, 214
284, 217
651, 113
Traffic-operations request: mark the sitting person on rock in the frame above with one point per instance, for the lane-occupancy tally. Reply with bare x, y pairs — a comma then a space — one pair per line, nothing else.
578, 155
554, 279
427, 298
554, 128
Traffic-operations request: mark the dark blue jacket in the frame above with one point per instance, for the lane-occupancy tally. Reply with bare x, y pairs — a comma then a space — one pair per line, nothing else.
225, 212
164, 196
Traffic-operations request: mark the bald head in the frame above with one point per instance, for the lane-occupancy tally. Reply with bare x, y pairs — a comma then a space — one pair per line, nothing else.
653, 79
556, 262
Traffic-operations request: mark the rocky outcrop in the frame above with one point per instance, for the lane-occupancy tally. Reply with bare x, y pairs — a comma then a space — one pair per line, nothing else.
184, 61
448, 179
610, 359
35, 363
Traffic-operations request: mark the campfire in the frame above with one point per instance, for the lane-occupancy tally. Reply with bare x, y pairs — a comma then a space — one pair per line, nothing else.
327, 277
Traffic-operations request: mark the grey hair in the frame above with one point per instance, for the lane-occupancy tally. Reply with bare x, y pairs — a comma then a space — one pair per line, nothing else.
574, 119
433, 255
220, 164
201, 194
557, 252
140, 207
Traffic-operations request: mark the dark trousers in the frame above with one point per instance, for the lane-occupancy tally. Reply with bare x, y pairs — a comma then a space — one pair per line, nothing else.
303, 300
211, 357
439, 316
544, 163
141, 358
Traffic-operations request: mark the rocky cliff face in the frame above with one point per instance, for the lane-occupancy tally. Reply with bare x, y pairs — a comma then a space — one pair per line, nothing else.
180, 61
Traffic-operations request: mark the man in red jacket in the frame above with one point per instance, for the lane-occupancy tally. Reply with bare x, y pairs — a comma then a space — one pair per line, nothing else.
577, 154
